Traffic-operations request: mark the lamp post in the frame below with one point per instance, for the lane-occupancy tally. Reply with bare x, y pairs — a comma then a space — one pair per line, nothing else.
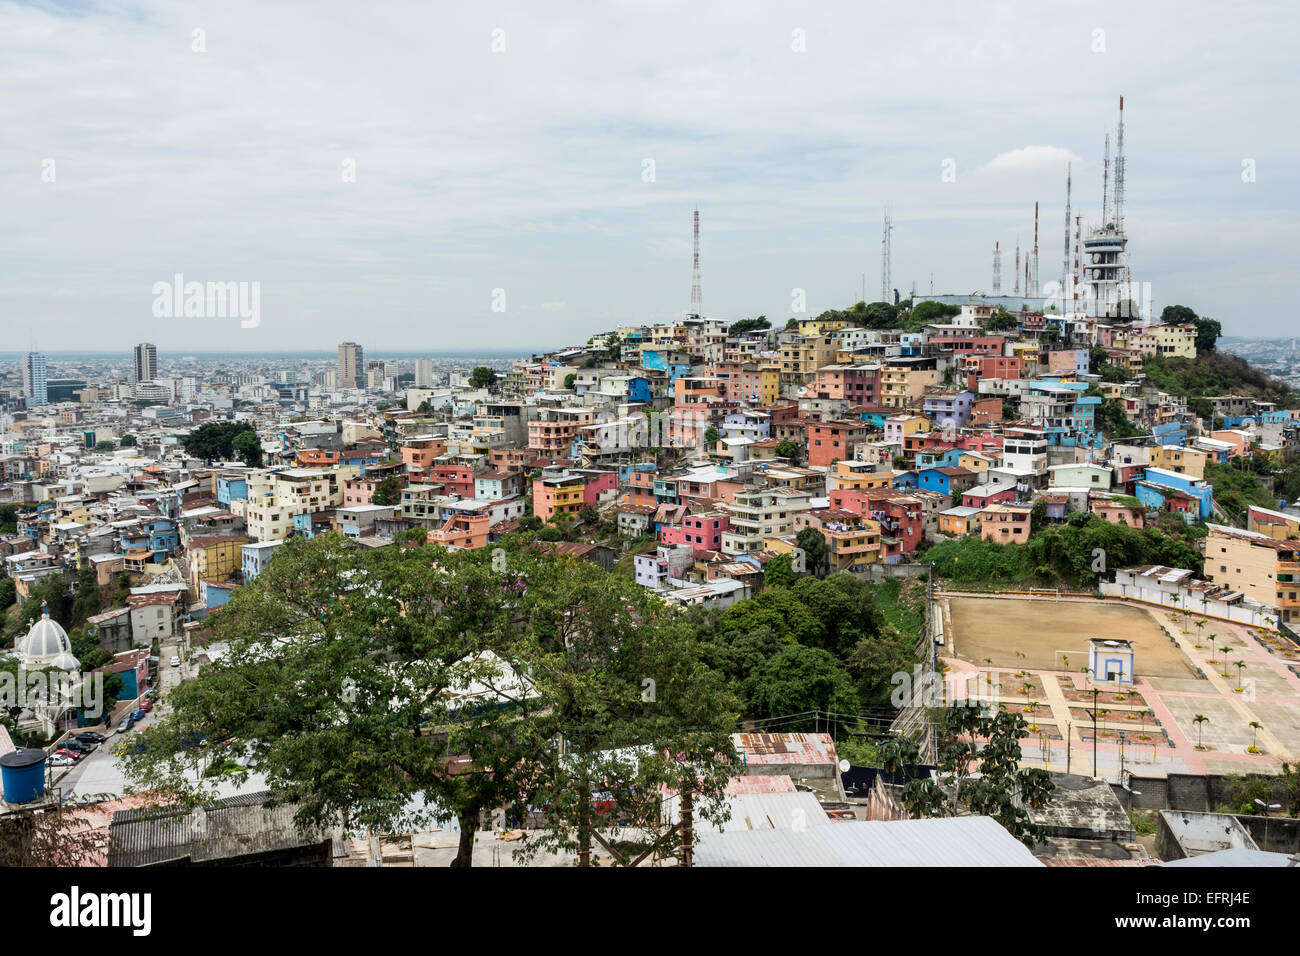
1267, 807
1093, 714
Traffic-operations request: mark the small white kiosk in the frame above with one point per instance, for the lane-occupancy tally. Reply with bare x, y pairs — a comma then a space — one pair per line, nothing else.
1110, 660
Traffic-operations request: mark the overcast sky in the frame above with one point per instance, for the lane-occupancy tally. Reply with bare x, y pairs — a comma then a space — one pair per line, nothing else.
524, 169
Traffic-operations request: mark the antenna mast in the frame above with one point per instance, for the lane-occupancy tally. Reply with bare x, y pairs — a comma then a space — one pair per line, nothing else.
885, 284
1017, 265
1033, 281
997, 270
697, 297
1065, 263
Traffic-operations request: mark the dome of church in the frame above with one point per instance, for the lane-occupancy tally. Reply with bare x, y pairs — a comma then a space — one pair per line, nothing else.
66, 662
46, 640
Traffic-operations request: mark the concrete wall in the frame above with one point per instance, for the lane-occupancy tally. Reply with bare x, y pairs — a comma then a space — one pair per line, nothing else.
1204, 793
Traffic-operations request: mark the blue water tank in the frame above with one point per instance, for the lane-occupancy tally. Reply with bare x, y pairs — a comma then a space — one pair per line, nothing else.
22, 772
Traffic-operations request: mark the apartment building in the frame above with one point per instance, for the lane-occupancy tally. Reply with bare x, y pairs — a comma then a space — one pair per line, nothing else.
1006, 523
275, 498
758, 515
1264, 569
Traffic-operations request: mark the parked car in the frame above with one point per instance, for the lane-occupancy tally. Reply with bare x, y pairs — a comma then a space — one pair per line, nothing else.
73, 755
90, 737
137, 714
80, 746
125, 724
176, 661
59, 760
146, 705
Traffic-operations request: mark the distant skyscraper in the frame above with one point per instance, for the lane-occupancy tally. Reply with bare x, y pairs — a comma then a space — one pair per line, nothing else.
424, 373
34, 380
146, 362
352, 366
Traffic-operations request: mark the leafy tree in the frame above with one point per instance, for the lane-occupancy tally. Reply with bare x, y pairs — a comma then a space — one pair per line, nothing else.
388, 491
1177, 315
800, 679
786, 448
249, 448
570, 379
129, 441
792, 325
1001, 789
1208, 333
813, 544
483, 377
780, 572
8, 593
8, 519
105, 445
711, 435
745, 326
928, 312
214, 440
1001, 321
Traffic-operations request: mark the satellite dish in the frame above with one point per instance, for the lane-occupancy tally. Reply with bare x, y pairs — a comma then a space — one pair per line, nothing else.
844, 766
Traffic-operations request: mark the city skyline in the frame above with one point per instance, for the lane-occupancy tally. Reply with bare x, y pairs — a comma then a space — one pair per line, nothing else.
566, 175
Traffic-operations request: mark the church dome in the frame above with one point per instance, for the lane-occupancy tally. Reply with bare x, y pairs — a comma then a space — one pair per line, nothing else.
66, 662
45, 640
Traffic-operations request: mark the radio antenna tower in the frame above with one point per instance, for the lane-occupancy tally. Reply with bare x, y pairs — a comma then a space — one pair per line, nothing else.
1065, 262
885, 284
997, 270
1017, 292
1033, 279
1105, 184
1119, 170
697, 297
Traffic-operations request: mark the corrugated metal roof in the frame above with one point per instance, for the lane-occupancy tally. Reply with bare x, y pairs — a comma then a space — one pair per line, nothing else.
956, 841
759, 811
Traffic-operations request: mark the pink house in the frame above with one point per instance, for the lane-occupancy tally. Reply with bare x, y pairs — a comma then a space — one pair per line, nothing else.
703, 532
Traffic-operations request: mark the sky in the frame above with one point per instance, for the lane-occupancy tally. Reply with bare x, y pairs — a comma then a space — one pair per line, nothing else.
519, 174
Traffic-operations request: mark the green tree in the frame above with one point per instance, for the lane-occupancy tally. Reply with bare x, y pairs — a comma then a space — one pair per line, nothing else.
745, 326
129, 441
570, 379
483, 377
105, 445
786, 448
800, 679
249, 448
813, 544
214, 440
711, 435
979, 771
388, 491
780, 572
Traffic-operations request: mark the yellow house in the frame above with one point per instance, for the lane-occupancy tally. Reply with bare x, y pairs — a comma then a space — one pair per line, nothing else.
214, 557
960, 521
821, 326
1262, 568
1276, 524
973, 461
857, 476
901, 385
1182, 461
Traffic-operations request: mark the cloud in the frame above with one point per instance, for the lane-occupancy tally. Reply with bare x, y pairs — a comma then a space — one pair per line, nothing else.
1029, 159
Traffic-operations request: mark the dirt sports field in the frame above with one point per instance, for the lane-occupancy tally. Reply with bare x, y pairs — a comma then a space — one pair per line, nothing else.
996, 628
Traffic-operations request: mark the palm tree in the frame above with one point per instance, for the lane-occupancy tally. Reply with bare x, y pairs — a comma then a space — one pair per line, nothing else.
1241, 666
1255, 728
1021, 672
1212, 637
1226, 652
1198, 720
1200, 625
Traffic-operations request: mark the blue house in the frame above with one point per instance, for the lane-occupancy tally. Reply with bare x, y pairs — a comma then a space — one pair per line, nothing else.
231, 489
904, 481
1160, 489
948, 481
256, 556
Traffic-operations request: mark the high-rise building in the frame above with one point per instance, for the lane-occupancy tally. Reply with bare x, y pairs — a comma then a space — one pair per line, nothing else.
146, 362
352, 366
34, 380
424, 373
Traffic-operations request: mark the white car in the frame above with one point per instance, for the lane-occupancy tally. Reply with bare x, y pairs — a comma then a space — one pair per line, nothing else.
176, 661
58, 760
